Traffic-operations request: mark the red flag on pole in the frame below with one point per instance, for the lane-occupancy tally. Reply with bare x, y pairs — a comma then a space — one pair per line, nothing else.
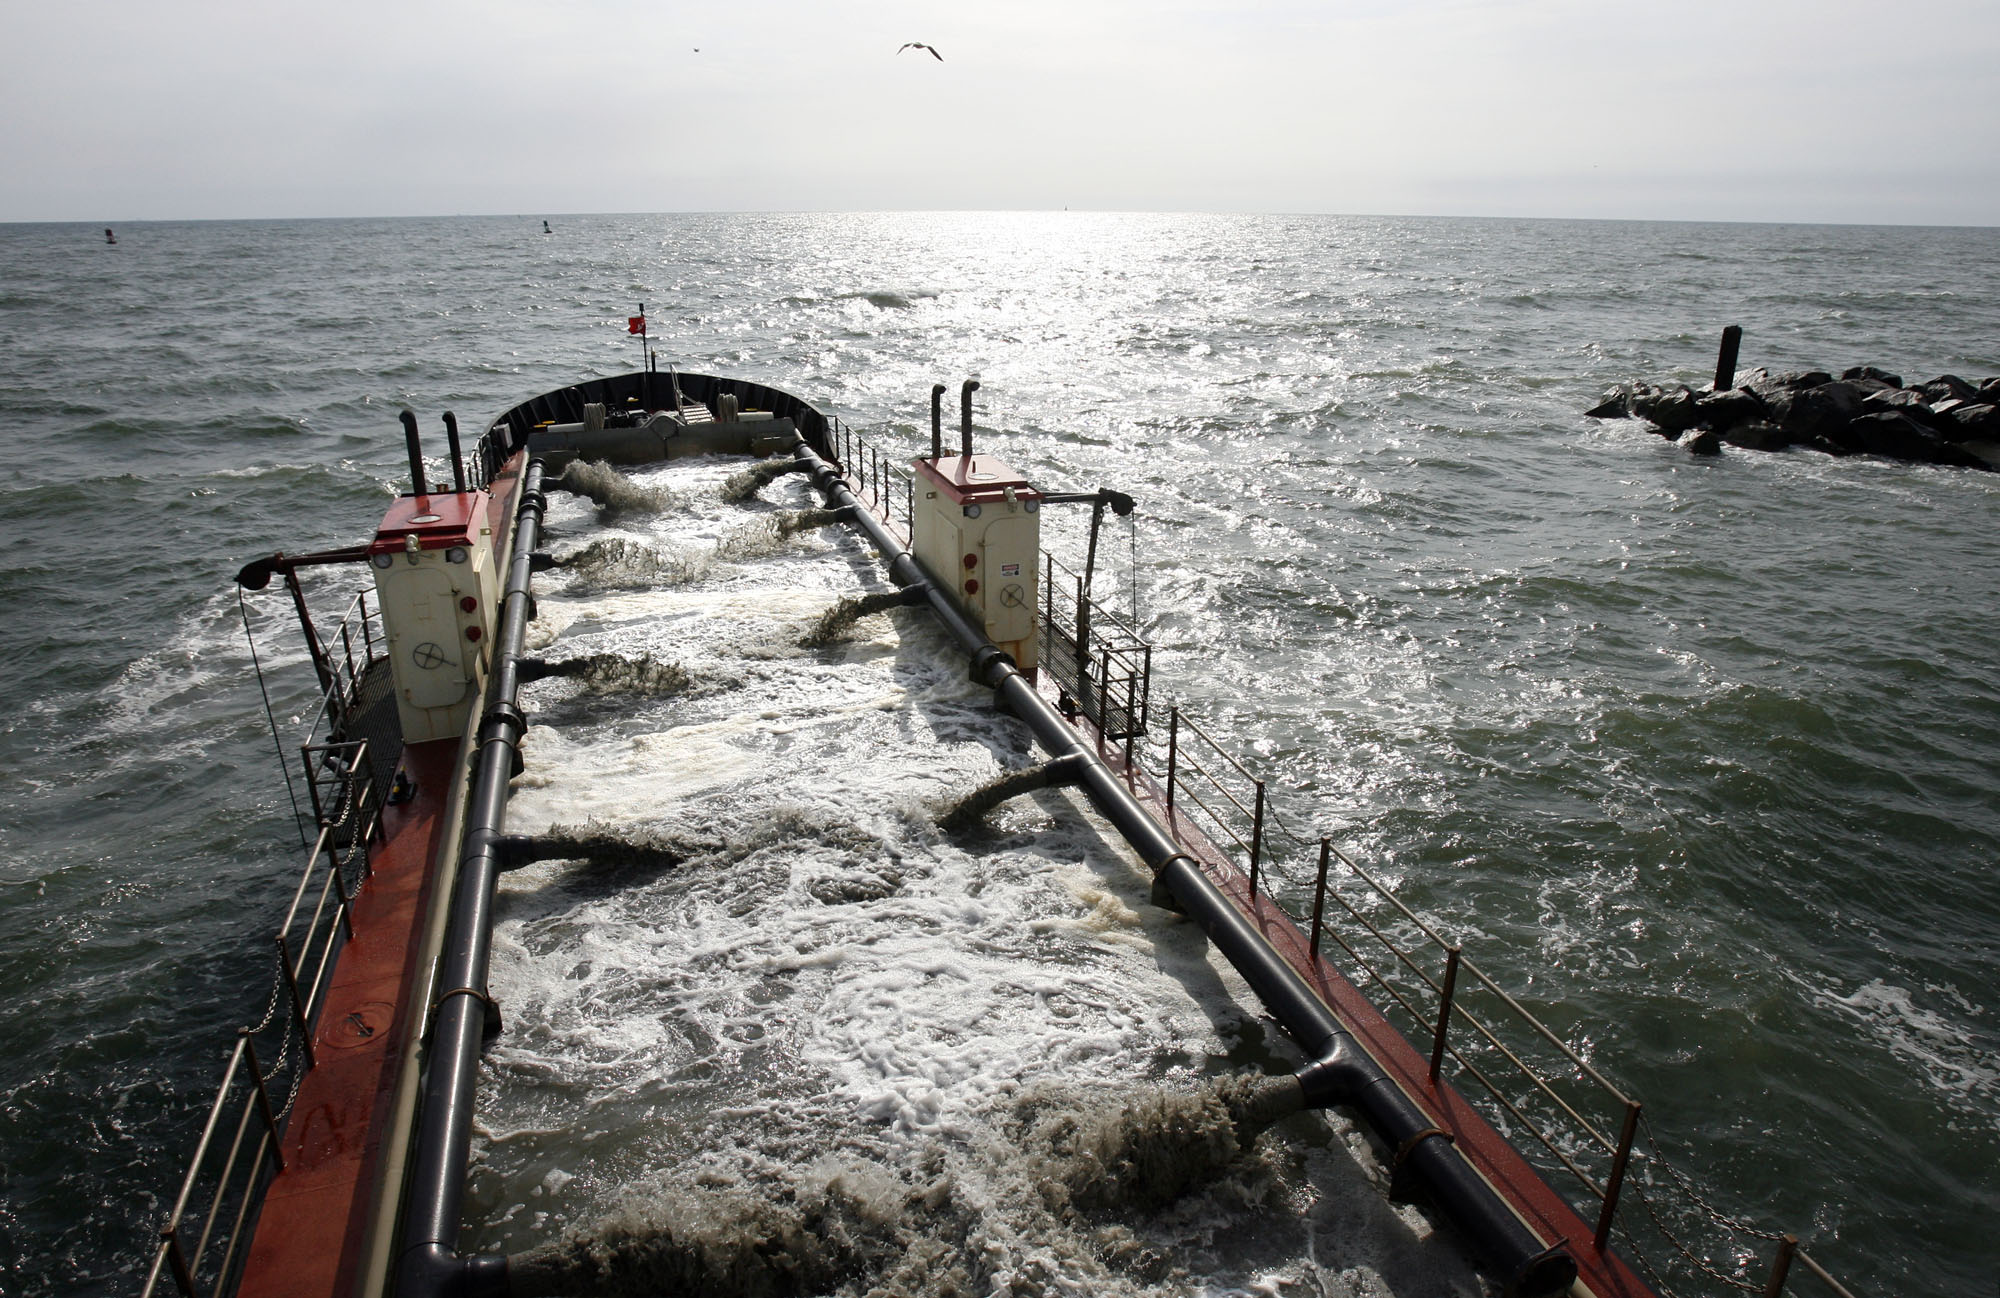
635, 324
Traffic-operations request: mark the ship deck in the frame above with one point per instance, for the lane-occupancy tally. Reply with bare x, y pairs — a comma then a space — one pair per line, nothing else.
320, 1229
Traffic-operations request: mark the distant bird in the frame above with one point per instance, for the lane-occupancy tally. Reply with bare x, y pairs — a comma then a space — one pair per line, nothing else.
919, 45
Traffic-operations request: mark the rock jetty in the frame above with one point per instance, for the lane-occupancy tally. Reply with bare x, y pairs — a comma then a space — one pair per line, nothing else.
1863, 412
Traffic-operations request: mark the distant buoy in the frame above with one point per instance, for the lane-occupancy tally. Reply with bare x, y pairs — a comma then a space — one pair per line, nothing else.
545, 229
108, 236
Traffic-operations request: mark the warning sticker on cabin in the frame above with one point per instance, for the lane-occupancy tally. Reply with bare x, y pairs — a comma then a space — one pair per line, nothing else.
1010, 570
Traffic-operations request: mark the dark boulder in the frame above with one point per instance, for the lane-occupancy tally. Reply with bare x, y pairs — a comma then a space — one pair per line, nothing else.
1893, 399
1989, 390
1757, 435
1763, 382
1723, 411
1986, 452
1617, 404
1824, 445
1972, 423
1967, 455
1817, 412
1947, 387
1672, 411
1899, 437
1885, 433
1871, 378
1705, 443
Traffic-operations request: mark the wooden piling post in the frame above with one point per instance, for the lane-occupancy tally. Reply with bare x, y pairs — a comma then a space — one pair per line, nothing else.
1725, 360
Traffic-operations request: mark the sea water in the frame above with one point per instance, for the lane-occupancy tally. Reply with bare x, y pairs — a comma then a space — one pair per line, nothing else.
1696, 756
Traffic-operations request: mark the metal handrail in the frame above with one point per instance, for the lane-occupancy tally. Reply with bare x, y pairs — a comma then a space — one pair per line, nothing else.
1099, 613
318, 942
874, 474
1176, 779
344, 690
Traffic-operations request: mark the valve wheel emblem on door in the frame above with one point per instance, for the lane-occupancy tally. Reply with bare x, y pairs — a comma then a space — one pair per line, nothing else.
428, 655
1012, 594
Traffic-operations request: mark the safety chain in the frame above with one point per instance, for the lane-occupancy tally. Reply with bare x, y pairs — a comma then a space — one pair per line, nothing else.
1697, 1263
349, 781
1633, 1251
298, 1081
279, 1064
1686, 1187
271, 1009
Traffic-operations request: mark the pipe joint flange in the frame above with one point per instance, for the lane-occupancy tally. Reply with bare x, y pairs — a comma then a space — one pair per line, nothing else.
533, 499
1336, 1077
1547, 1274
490, 1022
506, 723
502, 721
1068, 769
992, 665
432, 1270
1405, 1186
1409, 1146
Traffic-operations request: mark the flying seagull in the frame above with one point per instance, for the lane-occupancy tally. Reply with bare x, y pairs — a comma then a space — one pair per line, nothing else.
919, 45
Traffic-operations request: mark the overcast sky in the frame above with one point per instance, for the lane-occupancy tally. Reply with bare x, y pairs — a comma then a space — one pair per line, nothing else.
1778, 110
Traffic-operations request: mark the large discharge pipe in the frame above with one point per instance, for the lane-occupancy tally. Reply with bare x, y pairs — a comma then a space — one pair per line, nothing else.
1341, 1072
428, 1262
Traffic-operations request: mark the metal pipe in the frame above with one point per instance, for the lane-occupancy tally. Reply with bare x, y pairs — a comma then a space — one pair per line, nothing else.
457, 460
417, 486
428, 1263
937, 422
965, 417
1341, 1072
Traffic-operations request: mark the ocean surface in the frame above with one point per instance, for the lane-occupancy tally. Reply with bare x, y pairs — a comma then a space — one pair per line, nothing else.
1697, 757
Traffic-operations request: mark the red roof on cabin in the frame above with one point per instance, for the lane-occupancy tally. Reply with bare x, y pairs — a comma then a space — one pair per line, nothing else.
438, 521
978, 477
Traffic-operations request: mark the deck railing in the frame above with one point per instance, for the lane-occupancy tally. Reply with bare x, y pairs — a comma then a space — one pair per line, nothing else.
1104, 667
1538, 1085
199, 1248
343, 658
881, 480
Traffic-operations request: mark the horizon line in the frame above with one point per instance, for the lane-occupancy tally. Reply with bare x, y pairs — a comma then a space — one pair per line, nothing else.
101, 222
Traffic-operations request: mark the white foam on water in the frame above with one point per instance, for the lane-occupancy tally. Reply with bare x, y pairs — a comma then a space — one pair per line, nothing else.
827, 972
1950, 1053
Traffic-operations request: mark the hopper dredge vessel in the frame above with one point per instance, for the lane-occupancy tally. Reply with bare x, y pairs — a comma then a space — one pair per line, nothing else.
334, 1158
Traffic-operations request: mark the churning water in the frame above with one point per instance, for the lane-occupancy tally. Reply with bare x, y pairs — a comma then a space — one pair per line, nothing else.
1697, 756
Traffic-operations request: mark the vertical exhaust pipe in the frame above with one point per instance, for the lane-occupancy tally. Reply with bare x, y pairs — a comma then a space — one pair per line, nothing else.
457, 460
937, 422
965, 416
416, 455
